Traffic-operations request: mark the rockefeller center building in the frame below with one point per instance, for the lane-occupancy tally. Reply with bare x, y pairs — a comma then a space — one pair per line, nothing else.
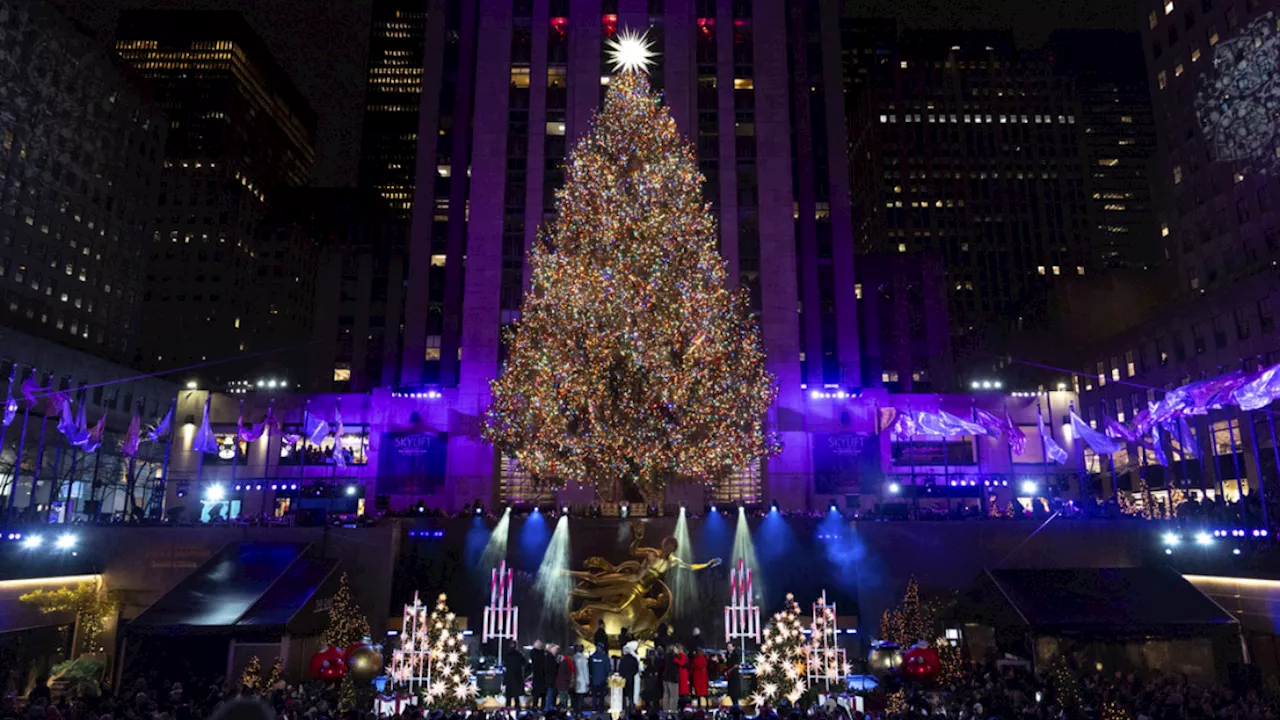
1209, 65
227, 274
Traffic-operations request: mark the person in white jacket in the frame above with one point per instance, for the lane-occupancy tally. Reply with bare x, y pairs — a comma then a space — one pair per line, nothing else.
581, 678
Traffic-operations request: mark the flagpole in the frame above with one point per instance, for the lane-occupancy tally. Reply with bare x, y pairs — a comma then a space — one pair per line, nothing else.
17, 461
337, 448
200, 453
1044, 446
235, 441
946, 466
266, 457
1081, 469
977, 447
168, 443
1235, 463
131, 481
1009, 445
1112, 456
302, 453
71, 481
911, 448
35, 471
1262, 483
53, 483
4, 429
93, 487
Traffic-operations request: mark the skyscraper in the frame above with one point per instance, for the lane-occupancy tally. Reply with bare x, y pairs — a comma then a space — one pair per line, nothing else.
81, 147
241, 132
965, 146
393, 96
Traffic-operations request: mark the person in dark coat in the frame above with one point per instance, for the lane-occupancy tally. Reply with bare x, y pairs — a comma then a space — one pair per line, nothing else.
662, 637
651, 680
628, 668
601, 666
672, 670
564, 679
733, 675
513, 675
538, 674
601, 637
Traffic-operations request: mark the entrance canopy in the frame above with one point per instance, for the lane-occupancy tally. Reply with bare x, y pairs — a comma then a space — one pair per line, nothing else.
1103, 600
246, 586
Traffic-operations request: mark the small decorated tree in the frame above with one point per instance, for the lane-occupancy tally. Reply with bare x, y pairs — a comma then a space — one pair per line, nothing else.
275, 676
251, 678
780, 663
347, 624
450, 684
1066, 688
910, 622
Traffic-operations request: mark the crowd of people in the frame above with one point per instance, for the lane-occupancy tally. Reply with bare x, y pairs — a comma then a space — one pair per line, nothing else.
668, 684
576, 678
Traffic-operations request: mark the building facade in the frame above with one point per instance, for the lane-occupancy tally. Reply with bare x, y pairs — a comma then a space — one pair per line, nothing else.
393, 99
81, 148
1217, 210
359, 289
964, 146
241, 133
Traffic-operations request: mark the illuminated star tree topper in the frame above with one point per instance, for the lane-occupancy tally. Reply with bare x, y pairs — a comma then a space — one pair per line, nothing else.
629, 52
632, 362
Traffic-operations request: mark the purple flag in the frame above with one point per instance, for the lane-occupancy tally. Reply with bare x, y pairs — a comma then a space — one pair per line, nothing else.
93, 437
313, 428
10, 411
930, 424
204, 441
162, 429
1260, 390
1157, 446
955, 425
30, 387
1099, 442
1117, 429
905, 425
132, 437
1052, 449
68, 426
990, 422
1215, 393
339, 454
1017, 438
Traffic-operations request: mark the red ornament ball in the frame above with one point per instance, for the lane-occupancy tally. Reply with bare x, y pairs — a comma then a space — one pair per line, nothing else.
332, 671
921, 663
328, 653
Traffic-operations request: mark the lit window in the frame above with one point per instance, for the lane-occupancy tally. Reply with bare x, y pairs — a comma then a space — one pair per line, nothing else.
1057, 270
1079, 269
1213, 37
1168, 7
1162, 79
1177, 174
1040, 269
744, 84
1177, 70
1109, 162
1195, 54
1126, 118
857, 291
437, 260
903, 64
555, 128
1164, 229
342, 374
884, 118
1152, 19
902, 247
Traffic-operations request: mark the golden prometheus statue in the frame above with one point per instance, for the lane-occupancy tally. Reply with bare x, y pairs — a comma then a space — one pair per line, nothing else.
632, 594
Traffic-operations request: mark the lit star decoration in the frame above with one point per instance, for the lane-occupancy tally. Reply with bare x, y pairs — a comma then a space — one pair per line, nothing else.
629, 52
632, 362
780, 675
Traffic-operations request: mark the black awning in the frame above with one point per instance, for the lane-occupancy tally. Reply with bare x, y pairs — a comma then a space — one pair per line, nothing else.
246, 585
1110, 600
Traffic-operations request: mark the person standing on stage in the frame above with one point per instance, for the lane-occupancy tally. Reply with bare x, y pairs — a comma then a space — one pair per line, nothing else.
601, 637
513, 675
698, 680
601, 667
629, 668
671, 671
538, 674
581, 676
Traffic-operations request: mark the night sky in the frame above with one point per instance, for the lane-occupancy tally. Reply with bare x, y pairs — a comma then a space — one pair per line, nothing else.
323, 45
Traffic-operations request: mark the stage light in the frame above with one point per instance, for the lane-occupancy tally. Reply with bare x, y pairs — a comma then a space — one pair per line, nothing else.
535, 510
1029, 487
564, 510
1168, 551
713, 508
191, 385
215, 493
351, 490
1171, 539
1235, 551
895, 488
833, 507
773, 507
624, 510
65, 542
479, 509
1202, 538
33, 542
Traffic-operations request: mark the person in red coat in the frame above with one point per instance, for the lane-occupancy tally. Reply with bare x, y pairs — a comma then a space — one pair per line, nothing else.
698, 677
680, 660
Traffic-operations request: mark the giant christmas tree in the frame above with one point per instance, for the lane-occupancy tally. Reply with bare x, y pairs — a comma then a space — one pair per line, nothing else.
632, 361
